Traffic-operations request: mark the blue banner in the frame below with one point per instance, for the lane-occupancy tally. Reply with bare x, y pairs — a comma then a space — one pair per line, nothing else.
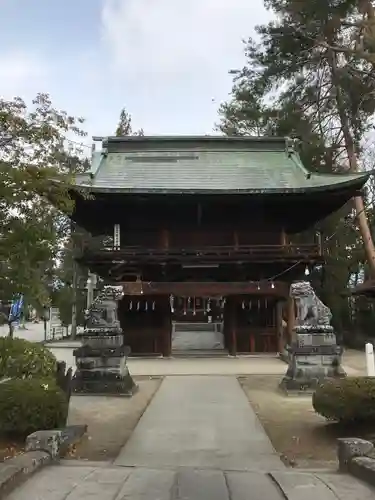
16, 308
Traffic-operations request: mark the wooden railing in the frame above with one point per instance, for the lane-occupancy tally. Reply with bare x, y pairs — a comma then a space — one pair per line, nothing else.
214, 254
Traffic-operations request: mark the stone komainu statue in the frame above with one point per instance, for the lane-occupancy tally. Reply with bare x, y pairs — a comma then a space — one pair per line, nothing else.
313, 354
103, 311
310, 309
101, 360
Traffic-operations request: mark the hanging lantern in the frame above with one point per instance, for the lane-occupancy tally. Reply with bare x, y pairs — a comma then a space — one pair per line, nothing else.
209, 305
307, 271
272, 285
171, 301
258, 287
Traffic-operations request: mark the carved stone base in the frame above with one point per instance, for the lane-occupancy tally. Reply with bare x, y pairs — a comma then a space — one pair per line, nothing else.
101, 360
311, 360
104, 381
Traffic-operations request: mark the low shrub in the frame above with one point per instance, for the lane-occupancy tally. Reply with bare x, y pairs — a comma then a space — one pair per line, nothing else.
28, 405
346, 400
23, 359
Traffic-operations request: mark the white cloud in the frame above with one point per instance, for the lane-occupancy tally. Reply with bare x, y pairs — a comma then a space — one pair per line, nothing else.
174, 56
21, 74
167, 61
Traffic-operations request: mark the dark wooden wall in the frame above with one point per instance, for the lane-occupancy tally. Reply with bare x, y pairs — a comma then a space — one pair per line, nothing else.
146, 331
254, 329
251, 330
197, 238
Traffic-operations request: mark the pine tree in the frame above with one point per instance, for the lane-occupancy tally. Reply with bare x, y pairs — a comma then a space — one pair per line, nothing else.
124, 126
307, 65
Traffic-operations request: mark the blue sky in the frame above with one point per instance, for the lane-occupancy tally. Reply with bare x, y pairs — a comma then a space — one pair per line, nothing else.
166, 61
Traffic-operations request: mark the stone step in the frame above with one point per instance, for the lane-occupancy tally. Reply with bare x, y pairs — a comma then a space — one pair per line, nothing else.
200, 353
134, 483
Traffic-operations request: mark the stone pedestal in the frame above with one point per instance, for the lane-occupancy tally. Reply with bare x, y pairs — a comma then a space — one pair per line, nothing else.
101, 360
315, 354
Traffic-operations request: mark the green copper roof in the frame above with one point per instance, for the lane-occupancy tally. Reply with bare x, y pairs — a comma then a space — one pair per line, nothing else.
205, 165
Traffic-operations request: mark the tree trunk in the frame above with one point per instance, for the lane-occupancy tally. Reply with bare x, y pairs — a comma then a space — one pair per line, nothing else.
353, 165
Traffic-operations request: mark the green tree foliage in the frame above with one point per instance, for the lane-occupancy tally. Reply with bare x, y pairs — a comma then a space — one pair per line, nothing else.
297, 82
36, 168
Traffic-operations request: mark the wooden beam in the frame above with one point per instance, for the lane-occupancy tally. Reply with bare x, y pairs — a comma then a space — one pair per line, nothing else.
205, 289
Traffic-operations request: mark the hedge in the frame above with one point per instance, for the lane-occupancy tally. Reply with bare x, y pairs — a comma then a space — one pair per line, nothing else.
28, 405
20, 358
346, 400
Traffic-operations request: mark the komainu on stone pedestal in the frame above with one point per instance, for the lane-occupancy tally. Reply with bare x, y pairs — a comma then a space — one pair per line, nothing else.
314, 355
101, 360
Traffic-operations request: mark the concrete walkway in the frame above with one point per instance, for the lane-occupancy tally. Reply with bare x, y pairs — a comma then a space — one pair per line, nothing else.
203, 422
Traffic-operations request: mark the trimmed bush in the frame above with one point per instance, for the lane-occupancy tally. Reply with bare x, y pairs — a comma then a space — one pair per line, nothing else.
28, 405
346, 400
23, 359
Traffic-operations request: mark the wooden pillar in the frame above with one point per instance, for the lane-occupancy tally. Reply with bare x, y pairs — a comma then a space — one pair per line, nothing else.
291, 319
167, 327
233, 324
165, 239
283, 238
279, 326
235, 239
230, 325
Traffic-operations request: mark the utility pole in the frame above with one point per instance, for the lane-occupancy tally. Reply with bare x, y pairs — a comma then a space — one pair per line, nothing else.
73, 332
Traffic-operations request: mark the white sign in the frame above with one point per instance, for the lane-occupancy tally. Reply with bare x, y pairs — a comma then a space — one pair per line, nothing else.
55, 326
370, 362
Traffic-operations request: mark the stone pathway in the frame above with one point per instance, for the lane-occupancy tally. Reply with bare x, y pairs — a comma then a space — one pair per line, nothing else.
200, 422
198, 440
118, 483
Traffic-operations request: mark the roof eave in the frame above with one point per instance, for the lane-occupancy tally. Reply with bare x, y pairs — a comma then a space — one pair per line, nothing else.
355, 183
194, 138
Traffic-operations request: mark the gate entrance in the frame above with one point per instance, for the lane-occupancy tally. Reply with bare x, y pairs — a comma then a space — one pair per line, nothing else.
194, 337
197, 324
